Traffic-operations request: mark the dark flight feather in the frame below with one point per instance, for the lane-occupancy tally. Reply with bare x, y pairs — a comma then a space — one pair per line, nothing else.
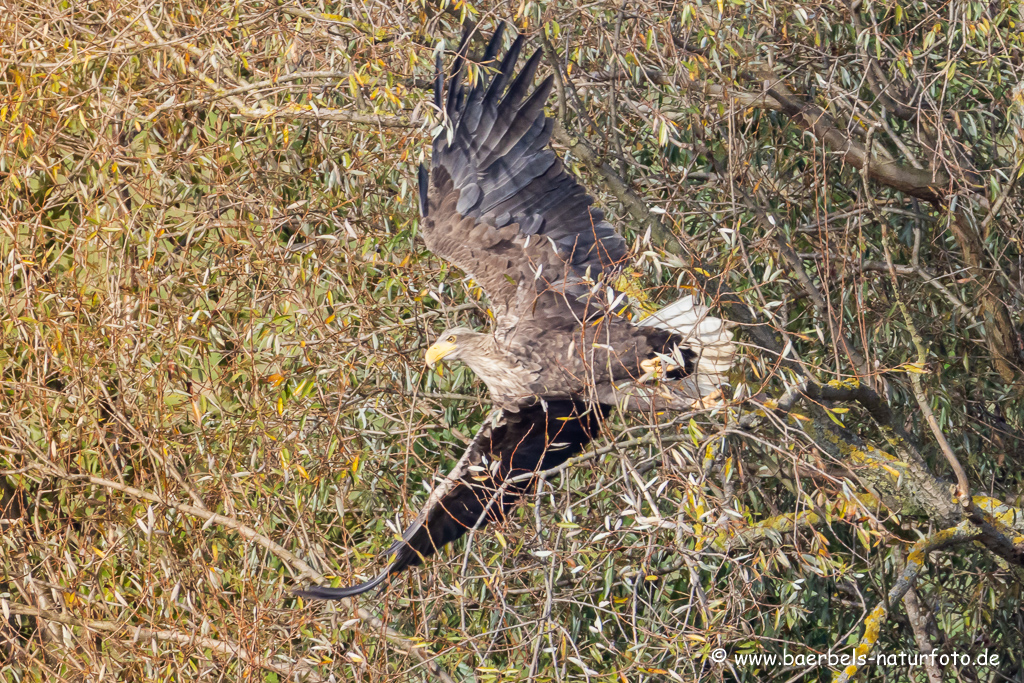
497, 145
534, 439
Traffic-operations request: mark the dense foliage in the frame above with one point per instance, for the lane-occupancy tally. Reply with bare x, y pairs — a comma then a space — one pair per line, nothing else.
214, 309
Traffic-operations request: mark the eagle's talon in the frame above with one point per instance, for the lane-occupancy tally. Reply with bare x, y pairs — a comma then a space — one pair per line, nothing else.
654, 369
716, 399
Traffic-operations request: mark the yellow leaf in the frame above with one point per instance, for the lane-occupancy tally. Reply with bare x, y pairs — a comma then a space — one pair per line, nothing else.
501, 539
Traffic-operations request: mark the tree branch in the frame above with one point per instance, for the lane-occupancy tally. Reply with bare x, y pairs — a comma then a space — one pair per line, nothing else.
199, 643
923, 184
958, 535
426, 657
918, 624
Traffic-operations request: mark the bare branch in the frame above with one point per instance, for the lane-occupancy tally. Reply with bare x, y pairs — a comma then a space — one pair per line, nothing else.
194, 644
958, 535
246, 532
923, 184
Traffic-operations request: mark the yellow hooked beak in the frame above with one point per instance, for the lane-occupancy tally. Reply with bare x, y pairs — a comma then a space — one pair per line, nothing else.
439, 351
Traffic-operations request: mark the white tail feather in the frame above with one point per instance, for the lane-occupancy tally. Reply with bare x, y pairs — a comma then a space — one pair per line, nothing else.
705, 335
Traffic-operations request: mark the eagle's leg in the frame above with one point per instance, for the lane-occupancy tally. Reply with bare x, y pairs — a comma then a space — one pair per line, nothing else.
635, 397
676, 396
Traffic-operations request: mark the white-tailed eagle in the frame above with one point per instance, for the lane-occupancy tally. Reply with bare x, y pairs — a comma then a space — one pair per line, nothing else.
498, 204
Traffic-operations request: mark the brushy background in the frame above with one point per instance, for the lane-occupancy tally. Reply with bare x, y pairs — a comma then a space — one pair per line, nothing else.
214, 310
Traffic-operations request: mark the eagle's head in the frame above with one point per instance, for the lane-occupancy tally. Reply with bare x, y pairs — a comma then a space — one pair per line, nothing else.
456, 343
506, 378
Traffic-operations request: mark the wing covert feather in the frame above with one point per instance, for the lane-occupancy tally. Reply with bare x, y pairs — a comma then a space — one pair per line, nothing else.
494, 182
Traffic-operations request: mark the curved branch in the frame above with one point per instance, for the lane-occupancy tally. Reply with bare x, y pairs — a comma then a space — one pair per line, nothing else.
920, 183
422, 654
201, 643
958, 535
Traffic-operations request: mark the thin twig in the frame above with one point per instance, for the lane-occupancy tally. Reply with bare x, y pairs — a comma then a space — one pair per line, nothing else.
306, 571
963, 487
197, 644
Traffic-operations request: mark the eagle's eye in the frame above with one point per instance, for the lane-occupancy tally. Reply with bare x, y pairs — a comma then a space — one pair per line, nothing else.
451, 339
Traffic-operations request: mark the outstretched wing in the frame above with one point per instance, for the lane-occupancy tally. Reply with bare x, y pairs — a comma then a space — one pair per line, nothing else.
497, 202
508, 445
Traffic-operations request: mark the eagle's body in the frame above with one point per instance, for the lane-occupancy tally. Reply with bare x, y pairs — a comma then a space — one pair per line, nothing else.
524, 364
498, 204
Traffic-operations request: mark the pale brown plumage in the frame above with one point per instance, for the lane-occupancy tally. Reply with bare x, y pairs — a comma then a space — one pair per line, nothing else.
509, 380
